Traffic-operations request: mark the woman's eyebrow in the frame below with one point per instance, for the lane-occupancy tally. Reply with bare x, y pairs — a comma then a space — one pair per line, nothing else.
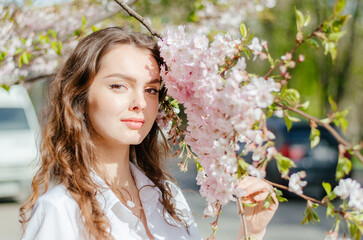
129, 78
156, 80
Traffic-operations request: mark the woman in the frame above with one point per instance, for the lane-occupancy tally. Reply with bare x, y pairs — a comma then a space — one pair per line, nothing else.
101, 174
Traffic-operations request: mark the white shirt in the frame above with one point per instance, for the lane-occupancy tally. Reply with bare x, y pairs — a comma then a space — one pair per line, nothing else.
56, 215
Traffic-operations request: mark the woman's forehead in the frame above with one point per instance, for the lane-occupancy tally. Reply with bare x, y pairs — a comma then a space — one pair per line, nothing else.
130, 60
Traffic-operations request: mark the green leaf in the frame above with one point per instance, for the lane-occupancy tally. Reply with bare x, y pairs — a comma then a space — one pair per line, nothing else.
330, 195
271, 60
326, 46
290, 97
247, 54
77, 32
314, 137
343, 168
313, 43
343, 124
52, 33
84, 21
249, 204
293, 119
198, 165
327, 187
5, 86
279, 195
270, 111
24, 58
284, 164
193, 17
333, 52
19, 50
243, 30
305, 105
2, 55
340, 119
267, 202
310, 216
338, 22
288, 123
333, 104
307, 20
338, 6
249, 38
330, 210
300, 20
336, 36
94, 28
44, 39
342, 113
57, 47
325, 120
243, 165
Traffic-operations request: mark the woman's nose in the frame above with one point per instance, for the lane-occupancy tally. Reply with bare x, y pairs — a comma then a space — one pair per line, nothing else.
138, 102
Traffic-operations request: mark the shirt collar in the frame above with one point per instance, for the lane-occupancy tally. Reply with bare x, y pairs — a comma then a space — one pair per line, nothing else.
148, 192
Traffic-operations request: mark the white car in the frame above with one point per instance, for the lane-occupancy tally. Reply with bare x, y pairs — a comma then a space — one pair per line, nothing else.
18, 145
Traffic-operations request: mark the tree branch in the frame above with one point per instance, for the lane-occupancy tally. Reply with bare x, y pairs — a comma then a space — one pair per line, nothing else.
141, 19
327, 126
33, 79
307, 198
297, 45
241, 212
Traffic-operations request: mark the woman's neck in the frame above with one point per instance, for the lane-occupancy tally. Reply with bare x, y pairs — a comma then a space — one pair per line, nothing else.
115, 164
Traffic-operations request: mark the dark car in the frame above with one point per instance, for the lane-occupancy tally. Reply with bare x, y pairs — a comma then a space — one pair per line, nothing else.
319, 163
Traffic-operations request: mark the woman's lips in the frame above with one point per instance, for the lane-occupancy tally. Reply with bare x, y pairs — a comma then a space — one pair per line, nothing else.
133, 123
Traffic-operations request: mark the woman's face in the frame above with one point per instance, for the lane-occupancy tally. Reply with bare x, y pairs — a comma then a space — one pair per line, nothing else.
123, 98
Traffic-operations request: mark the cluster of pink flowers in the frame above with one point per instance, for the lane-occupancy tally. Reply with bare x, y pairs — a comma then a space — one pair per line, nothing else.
349, 188
221, 109
335, 236
228, 14
296, 184
22, 30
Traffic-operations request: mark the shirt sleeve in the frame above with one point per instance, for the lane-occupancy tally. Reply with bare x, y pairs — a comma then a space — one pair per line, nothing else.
50, 221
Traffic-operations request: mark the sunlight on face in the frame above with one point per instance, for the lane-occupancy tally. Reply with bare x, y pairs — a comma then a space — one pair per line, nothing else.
123, 98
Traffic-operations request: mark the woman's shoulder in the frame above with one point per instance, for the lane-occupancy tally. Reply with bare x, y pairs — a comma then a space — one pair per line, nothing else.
58, 197
55, 216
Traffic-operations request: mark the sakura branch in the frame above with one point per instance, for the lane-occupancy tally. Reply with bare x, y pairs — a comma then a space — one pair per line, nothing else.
243, 217
33, 41
291, 52
327, 126
141, 19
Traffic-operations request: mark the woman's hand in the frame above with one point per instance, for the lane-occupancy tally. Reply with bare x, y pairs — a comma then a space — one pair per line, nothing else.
257, 217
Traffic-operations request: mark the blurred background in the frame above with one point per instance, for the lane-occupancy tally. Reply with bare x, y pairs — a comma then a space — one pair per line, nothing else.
316, 78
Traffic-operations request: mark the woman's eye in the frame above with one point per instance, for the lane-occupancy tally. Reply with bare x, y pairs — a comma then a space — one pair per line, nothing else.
153, 91
118, 87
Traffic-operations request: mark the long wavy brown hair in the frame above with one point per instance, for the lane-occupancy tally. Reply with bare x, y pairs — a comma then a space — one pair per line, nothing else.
67, 152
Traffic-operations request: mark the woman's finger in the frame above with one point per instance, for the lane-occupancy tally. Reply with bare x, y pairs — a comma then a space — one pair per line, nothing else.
261, 196
256, 187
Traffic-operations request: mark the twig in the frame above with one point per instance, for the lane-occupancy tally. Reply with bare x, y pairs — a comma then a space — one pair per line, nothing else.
307, 198
243, 217
298, 44
337, 136
141, 19
327, 126
33, 79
